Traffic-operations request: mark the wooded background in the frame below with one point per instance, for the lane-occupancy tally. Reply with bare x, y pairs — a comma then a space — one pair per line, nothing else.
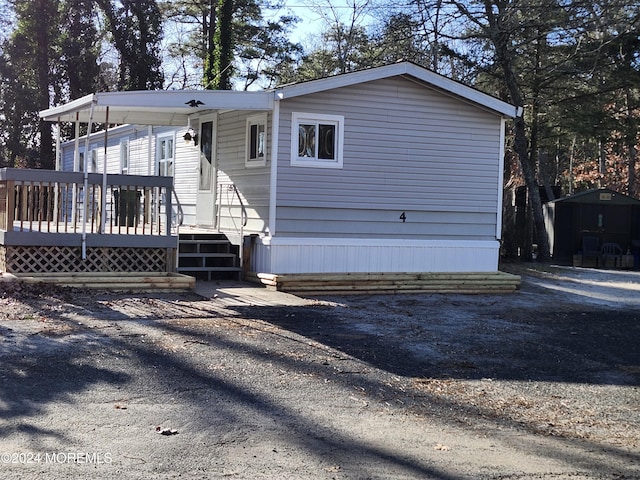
574, 65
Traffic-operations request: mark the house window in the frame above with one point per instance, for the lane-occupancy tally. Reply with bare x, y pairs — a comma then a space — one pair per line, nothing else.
317, 140
256, 155
165, 156
124, 156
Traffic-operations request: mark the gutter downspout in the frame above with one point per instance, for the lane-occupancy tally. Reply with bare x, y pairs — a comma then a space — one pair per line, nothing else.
86, 183
58, 168
58, 153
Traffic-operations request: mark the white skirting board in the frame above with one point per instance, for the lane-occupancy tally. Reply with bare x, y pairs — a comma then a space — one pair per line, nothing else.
332, 255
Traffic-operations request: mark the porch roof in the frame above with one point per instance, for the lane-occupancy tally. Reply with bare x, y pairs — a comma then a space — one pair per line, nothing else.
163, 107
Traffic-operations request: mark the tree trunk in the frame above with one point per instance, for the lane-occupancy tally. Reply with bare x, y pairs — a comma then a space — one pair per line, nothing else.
224, 45
631, 140
528, 171
209, 74
499, 36
44, 81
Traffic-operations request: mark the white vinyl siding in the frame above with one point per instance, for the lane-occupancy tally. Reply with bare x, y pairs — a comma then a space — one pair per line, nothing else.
407, 149
185, 155
345, 255
252, 183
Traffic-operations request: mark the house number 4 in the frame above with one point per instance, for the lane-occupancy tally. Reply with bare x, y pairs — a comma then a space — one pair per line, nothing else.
403, 217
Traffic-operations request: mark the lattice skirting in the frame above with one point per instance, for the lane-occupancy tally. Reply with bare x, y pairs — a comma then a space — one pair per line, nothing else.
26, 259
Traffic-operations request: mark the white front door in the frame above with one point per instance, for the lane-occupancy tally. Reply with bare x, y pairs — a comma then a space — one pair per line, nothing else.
206, 198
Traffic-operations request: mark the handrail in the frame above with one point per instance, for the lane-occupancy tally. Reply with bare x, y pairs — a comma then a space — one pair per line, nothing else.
244, 217
180, 210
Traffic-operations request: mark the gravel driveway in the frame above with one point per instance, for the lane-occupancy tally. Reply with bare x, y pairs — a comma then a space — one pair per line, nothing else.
241, 382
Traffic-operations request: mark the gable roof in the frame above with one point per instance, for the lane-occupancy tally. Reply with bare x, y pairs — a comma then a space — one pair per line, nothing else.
406, 69
173, 107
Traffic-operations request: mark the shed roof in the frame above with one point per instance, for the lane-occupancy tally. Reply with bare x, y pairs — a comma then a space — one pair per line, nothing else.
173, 107
600, 195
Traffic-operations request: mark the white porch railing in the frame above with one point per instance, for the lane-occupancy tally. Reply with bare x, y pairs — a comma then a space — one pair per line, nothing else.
37, 202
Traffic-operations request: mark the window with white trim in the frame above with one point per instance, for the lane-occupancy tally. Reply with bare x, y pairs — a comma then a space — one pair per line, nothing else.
317, 140
256, 143
165, 154
124, 156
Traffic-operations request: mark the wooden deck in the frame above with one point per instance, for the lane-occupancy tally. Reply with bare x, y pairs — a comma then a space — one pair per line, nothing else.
66, 222
389, 283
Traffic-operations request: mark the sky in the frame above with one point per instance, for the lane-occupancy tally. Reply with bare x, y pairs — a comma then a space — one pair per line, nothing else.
311, 13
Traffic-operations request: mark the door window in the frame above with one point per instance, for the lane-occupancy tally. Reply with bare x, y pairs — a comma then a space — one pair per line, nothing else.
206, 156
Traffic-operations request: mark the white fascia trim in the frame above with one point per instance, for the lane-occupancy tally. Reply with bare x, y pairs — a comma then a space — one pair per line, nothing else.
54, 113
178, 99
376, 242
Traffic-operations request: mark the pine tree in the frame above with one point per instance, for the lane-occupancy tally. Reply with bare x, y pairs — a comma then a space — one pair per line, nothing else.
27, 75
136, 29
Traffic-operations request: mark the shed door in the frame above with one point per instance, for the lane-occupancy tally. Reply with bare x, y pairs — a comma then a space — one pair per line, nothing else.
206, 198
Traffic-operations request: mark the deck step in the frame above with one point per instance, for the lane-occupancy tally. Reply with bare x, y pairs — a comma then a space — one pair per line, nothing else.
380, 283
207, 269
122, 281
207, 256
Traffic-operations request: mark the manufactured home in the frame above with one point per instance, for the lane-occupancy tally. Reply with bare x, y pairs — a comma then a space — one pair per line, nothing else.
393, 169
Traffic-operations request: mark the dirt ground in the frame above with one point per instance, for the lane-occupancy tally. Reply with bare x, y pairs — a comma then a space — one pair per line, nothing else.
241, 382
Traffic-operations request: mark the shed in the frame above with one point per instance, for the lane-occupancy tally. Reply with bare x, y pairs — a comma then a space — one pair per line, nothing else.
603, 215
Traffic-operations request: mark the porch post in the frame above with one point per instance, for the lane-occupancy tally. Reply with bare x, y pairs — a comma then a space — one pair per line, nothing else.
103, 193
275, 133
76, 167
85, 206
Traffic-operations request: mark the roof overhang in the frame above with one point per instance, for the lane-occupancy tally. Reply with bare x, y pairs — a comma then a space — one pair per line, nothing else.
407, 69
164, 107
173, 107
